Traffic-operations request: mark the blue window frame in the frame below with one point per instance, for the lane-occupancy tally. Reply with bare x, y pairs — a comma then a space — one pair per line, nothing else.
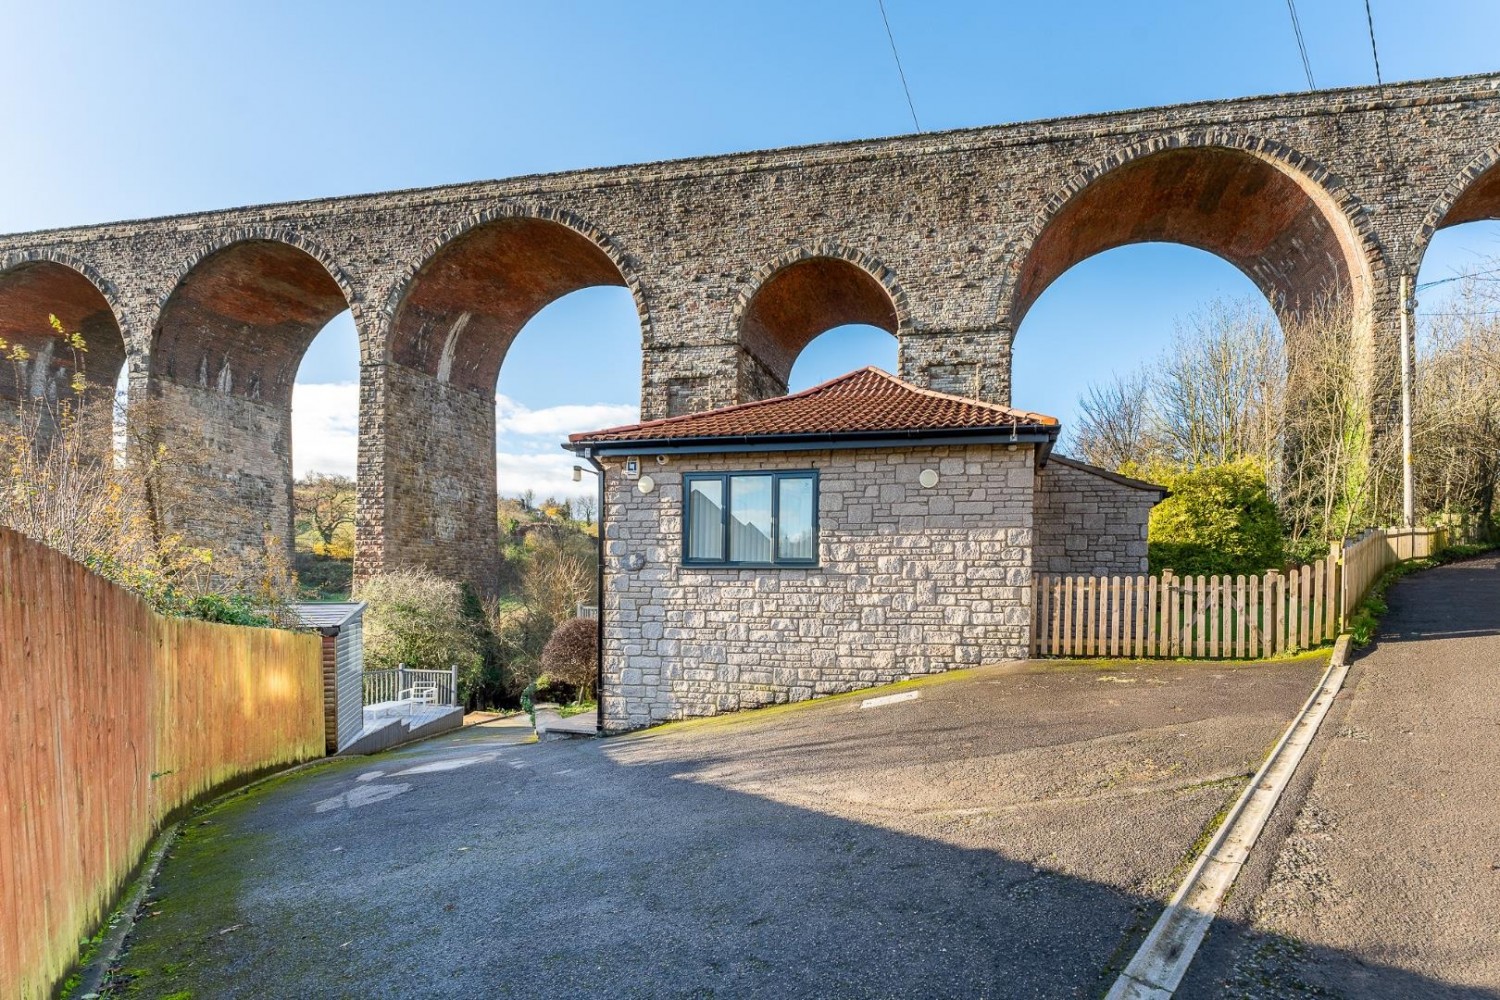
750, 518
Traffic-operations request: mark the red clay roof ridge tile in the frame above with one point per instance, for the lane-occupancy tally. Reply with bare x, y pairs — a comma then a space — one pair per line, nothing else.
885, 391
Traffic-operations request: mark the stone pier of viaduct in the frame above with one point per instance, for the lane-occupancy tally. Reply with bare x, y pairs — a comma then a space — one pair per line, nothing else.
735, 263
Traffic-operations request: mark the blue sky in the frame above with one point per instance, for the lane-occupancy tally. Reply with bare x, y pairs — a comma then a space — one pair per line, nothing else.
123, 111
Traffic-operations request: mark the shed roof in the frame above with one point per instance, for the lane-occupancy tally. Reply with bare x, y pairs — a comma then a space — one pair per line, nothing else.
1114, 477
865, 403
327, 614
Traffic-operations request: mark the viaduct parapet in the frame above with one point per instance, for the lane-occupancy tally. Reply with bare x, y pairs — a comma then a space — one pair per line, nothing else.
735, 263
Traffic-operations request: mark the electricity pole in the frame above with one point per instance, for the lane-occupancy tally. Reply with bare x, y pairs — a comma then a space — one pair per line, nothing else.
1408, 484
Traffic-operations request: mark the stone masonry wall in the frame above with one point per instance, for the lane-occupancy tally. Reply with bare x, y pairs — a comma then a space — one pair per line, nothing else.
911, 581
962, 229
1089, 524
440, 454
238, 450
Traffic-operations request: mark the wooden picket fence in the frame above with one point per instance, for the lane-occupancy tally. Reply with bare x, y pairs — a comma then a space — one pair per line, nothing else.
1223, 617
1375, 551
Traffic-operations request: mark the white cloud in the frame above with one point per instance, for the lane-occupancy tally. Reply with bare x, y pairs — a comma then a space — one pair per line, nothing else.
546, 474
325, 427
325, 438
560, 421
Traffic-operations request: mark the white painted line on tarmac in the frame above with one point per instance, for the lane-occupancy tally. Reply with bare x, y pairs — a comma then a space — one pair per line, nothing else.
890, 699
1156, 970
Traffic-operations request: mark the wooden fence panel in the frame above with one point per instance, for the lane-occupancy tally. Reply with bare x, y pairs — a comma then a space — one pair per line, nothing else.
112, 717
1217, 617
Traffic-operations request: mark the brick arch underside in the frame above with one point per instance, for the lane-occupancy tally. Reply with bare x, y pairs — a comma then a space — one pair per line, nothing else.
1479, 202
32, 292
464, 307
224, 357
241, 320
801, 301
1225, 201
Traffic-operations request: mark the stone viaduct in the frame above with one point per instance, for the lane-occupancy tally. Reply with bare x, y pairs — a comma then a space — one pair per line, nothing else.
735, 263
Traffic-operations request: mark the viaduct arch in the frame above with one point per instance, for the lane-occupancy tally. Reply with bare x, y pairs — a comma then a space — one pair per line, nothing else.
735, 262
453, 317
34, 288
801, 294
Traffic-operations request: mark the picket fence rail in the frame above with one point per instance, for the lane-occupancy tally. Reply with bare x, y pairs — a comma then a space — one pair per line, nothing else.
388, 684
1237, 616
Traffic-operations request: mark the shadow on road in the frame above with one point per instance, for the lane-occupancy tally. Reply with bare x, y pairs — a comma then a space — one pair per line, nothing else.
644, 868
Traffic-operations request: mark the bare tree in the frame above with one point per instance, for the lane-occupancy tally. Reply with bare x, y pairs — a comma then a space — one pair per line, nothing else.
1334, 468
1117, 425
586, 507
555, 581
1457, 413
1218, 388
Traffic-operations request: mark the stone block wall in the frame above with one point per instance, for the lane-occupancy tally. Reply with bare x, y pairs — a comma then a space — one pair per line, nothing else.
440, 512
1089, 521
911, 581
236, 478
962, 230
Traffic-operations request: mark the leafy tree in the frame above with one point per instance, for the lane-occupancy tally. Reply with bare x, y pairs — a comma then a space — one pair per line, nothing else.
327, 501
421, 621
1219, 519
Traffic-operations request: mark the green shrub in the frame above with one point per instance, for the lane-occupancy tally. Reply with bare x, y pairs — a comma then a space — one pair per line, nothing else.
234, 609
419, 620
324, 578
1219, 519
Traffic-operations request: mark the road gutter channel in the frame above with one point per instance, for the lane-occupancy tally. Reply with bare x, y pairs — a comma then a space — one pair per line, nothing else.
1157, 968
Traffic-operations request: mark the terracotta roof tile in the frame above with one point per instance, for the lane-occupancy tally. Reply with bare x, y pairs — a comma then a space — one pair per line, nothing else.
867, 401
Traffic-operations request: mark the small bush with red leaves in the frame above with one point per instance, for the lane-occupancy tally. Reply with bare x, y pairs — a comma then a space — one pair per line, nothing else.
571, 656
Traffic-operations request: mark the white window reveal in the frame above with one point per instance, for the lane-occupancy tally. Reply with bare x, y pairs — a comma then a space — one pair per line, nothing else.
751, 519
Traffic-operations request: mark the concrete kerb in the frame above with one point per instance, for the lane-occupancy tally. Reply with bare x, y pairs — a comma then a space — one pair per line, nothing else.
1158, 967
90, 979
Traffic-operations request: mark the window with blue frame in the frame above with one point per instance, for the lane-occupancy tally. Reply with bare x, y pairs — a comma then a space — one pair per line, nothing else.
750, 519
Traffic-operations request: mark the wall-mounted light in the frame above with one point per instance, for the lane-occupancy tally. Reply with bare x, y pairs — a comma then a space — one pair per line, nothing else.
645, 484
928, 478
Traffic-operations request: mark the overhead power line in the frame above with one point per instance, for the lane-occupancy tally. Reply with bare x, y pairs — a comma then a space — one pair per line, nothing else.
1291, 8
1374, 51
1467, 276
899, 71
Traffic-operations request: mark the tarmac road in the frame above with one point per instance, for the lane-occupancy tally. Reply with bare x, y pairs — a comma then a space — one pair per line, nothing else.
1380, 873
1009, 832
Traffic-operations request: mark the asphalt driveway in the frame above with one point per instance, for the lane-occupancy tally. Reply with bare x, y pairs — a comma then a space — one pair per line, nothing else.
1380, 874
1006, 832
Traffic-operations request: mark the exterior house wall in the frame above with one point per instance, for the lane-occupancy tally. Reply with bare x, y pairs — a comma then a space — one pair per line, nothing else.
1088, 522
911, 581
350, 665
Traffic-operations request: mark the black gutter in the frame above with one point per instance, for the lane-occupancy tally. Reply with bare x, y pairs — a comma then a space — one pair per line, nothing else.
598, 603
842, 441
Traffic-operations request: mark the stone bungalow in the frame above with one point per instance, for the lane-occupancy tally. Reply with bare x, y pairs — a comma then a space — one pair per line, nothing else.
861, 532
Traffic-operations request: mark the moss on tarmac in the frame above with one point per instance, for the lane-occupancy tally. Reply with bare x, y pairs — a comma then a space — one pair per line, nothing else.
1001, 835
196, 898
